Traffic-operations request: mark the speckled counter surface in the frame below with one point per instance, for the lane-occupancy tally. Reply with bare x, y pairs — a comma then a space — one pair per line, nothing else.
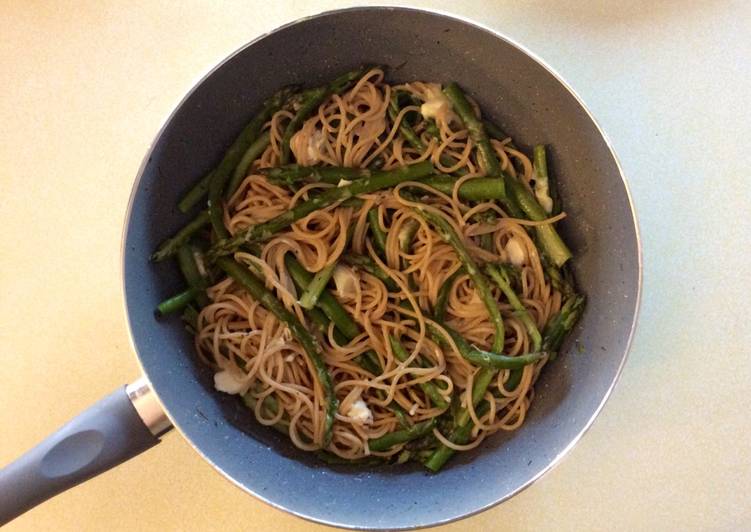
84, 88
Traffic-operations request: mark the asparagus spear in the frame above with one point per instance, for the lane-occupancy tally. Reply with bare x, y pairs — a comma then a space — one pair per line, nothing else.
176, 302
418, 430
293, 174
266, 230
193, 269
439, 310
545, 186
432, 129
218, 182
479, 189
514, 378
551, 243
475, 127
447, 233
367, 264
309, 298
460, 435
482, 358
379, 235
190, 318
404, 128
235, 152
430, 389
253, 152
265, 297
326, 302
170, 246
502, 276
559, 278
560, 324
309, 101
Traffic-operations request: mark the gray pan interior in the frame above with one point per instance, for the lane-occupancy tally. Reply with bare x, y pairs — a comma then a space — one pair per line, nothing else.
525, 99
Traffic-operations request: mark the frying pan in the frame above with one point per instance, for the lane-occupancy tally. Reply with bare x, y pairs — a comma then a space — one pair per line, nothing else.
518, 92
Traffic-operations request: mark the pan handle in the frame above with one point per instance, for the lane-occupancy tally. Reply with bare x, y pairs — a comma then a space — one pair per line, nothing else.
118, 427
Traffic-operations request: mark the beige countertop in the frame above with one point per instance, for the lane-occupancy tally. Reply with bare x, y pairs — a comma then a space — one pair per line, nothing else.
84, 87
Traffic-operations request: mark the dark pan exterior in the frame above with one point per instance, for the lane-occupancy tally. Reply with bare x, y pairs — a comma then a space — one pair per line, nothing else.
525, 99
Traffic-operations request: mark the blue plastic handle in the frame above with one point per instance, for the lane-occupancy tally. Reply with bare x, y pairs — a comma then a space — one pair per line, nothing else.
105, 435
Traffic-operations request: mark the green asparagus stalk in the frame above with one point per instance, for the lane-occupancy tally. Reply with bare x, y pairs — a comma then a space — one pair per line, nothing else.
475, 127
190, 318
431, 128
310, 100
266, 230
367, 264
480, 357
309, 298
235, 152
253, 152
175, 303
197, 192
326, 302
461, 436
560, 278
561, 323
430, 389
418, 430
486, 239
477, 189
447, 233
169, 247
321, 322
551, 243
502, 276
294, 174
265, 297
544, 182
405, 129
192, 266
441, 303
379, 235
514, 378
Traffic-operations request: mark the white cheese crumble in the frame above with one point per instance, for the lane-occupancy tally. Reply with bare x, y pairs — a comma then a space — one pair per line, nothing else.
315, 144
345, 281
515, 251
436, 105
228, 382
360, 413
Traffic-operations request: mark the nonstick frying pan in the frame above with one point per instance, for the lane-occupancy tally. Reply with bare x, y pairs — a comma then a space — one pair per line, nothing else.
524, 97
